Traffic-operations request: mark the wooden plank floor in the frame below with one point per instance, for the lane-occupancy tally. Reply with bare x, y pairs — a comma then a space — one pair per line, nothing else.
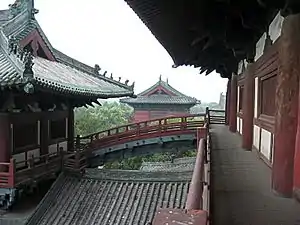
241, 186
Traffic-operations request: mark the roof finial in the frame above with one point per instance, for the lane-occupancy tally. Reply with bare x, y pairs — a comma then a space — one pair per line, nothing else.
167, 80
159, 78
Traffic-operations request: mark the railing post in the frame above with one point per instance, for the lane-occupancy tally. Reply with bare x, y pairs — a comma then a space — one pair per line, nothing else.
138, 128
77, 145
12, 171
77, 160
61, 155
207, 116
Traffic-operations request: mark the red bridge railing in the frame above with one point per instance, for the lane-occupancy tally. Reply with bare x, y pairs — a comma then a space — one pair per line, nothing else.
142, 130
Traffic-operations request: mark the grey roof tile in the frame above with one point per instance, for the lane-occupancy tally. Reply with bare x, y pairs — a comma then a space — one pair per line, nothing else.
67, 75
87, 201
177, 97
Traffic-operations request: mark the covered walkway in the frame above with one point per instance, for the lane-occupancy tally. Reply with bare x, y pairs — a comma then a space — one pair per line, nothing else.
241, 186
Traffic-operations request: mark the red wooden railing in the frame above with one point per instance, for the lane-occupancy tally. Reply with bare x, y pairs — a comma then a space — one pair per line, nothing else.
197, 204
36, 167
143, 130
7, 178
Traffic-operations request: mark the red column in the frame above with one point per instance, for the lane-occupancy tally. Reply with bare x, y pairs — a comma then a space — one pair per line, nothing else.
294, 21
287, 106
228, 102
248, 108
4, 139
233, 103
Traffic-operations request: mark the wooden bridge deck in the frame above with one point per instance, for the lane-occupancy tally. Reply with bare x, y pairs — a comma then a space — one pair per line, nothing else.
241, 186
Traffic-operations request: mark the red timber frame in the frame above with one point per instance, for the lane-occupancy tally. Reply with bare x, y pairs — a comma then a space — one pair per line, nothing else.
36, 41
276, 74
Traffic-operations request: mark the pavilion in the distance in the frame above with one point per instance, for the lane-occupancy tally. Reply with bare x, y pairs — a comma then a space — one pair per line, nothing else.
158, 101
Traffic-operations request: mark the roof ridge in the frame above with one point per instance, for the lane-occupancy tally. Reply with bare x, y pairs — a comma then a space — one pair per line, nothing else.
7, 49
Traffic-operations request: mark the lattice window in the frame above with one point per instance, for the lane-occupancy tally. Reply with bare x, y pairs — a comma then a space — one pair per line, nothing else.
25, 135
241, 94
57, 129
268, 91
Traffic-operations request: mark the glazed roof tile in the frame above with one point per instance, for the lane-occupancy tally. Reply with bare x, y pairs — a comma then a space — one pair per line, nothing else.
175, 97
66, 76
87, 201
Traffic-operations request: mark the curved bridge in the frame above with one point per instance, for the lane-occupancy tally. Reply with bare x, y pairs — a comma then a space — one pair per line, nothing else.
120, 141
143, 137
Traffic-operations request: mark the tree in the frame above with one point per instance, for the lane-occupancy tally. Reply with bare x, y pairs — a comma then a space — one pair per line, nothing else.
94, 119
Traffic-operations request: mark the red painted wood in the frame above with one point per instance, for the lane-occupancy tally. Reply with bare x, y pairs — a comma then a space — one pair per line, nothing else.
5, 146
233, 103
35, 37
248, 108
159, 88
296, 178
287, 92
141, 115
194, 198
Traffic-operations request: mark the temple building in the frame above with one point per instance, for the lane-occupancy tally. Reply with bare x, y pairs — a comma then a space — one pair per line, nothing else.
40, 87
160, 100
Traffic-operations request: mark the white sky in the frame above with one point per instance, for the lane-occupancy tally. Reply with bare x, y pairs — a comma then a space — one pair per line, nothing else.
108, 33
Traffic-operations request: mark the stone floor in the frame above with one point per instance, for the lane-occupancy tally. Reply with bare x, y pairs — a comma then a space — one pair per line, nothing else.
241, 186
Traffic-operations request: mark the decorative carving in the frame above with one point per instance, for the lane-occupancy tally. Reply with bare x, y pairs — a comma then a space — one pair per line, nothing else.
105, 72
268, 42
111, 76
119, 79
97, 69
132, 86
126, 82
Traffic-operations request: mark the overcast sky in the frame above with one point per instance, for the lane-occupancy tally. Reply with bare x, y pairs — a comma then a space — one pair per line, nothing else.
108, 33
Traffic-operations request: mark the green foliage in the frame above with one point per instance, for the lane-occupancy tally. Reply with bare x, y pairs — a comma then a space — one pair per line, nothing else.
98, 118
134, 163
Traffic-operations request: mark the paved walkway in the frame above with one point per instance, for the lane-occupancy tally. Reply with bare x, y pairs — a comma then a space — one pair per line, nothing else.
241, 186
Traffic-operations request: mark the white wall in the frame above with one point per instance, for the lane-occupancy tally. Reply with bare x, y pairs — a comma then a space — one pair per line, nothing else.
263, 141
256, 97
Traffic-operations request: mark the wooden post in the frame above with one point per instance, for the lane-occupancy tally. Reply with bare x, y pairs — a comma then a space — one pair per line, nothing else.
77, 142
5, 139
71, 132
44, 130
248, 108
287, 97
228, 93
12, 171
294, 23
233, 103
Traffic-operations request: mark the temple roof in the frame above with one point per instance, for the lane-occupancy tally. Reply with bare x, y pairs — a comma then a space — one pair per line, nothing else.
211, 34
113, 197
161, 93
58, 73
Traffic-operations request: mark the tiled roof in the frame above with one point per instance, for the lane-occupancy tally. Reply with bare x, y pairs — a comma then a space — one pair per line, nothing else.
67, 75
88, 201
176, 97
178, 165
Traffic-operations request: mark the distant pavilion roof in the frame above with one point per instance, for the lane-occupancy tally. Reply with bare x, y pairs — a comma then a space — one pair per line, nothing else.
161, 93
59, 73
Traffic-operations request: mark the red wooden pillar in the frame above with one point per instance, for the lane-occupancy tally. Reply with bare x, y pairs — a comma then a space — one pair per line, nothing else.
71, 132
233, 103
287, 92
248, 108
228, 102
294, 22
4, 139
